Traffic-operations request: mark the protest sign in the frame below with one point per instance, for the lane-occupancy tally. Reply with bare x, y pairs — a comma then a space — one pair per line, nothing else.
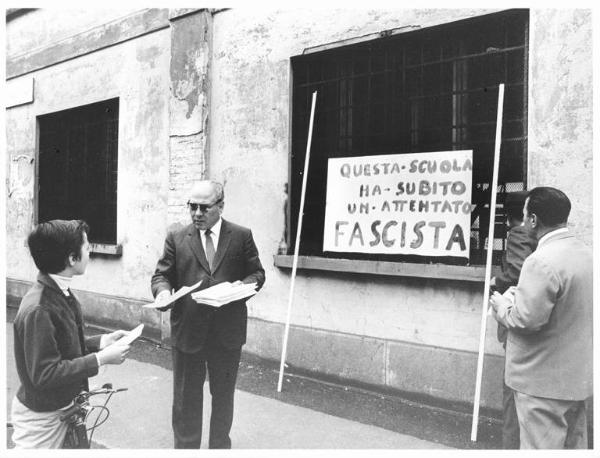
416, 204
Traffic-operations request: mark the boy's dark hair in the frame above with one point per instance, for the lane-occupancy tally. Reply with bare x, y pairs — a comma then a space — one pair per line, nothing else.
550, 205
51, 243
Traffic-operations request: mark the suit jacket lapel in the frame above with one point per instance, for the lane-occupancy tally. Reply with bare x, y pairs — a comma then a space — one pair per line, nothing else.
224, 239
196, 246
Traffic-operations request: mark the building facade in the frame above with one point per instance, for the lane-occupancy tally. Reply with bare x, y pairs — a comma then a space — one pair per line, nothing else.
111, 116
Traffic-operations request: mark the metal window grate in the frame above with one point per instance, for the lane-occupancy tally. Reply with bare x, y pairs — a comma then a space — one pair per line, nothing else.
429, 90
78, 159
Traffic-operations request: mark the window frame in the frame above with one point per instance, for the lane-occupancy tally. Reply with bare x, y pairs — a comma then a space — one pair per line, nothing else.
102, 247
291, 218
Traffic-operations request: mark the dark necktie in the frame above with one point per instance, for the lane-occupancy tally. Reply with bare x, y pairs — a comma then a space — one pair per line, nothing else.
210, 248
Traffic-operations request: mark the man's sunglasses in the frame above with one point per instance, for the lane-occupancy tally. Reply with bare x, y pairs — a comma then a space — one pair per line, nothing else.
203, 207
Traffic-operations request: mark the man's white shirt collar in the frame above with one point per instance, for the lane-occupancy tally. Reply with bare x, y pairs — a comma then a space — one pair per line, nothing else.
216, 229
215, 232
550, 234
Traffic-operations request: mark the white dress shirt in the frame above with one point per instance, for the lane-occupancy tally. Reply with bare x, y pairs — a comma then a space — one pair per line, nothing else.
64, 283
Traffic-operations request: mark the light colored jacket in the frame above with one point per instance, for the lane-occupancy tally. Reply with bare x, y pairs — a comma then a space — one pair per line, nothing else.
549, 348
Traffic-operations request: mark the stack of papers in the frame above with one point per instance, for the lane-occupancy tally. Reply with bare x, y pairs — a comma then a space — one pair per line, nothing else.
224, 293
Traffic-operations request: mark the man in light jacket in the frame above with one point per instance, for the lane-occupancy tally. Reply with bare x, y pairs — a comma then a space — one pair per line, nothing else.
549, 347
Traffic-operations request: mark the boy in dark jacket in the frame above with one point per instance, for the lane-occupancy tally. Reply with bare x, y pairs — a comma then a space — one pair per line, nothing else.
53, 358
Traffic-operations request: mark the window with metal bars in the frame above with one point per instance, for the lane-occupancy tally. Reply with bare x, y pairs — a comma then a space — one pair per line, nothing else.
421, 91
77, 173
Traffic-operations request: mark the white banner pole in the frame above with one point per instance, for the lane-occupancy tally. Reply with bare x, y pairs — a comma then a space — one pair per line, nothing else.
488, 264
297, 245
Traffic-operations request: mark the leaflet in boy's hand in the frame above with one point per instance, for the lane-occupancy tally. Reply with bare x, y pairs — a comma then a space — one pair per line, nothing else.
131, 336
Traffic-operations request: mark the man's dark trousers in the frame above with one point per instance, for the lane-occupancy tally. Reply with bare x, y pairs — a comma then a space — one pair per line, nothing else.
189, 371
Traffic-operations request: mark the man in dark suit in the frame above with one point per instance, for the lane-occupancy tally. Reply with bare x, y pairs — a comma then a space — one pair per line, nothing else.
549, 347
520, 243
206, 338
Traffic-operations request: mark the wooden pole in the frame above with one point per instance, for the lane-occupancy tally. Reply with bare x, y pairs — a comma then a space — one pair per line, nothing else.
488, 265
297, 245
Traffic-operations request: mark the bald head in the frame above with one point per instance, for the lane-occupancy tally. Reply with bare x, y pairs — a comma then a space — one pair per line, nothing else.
207, 189
206, 203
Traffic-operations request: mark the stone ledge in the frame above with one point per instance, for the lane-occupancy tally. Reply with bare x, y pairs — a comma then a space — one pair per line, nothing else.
396, 269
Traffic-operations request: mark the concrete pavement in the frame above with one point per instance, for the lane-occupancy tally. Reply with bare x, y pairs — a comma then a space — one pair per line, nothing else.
140, 417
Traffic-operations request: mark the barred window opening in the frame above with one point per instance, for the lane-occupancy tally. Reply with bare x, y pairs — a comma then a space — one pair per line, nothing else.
428, 90
77, 177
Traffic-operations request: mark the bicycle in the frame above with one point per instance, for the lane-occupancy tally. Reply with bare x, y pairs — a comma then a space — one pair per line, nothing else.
77, 416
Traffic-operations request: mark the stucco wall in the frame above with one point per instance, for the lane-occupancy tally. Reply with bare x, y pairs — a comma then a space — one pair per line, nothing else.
54, 25
250, 128
410, 333
560, 109
137, 72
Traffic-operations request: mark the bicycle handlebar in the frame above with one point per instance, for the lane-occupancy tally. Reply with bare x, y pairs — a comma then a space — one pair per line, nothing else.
103, 390
80, 401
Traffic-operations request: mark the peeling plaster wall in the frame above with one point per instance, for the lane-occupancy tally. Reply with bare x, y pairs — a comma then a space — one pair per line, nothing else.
50, 26
137, 72
20, 175
560, 109
250, 122
189, 71
183, 93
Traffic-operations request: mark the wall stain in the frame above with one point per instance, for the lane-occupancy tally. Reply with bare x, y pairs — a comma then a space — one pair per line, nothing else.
21, 176
148, 55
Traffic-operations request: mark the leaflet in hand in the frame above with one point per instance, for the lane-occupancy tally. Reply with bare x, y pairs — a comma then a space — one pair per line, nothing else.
508, 294
131, 336
177, 295
224, 293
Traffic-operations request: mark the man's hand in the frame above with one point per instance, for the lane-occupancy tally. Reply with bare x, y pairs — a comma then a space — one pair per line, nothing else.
237, 283
113, 354
163, 296
109, 339
497, 300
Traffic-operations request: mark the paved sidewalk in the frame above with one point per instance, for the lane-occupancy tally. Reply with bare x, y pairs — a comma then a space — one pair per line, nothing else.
140, 417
